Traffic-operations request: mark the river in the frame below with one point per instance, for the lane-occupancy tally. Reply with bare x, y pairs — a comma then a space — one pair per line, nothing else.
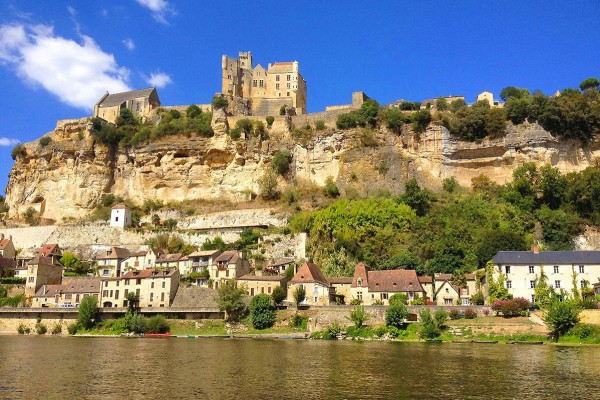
34, 367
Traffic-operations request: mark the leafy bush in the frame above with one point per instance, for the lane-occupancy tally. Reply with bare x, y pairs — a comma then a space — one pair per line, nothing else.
56, 329
331, 190
395, 119
88, 309
268, 186
585, 331
235, 133
262, 311
398, 298
219, 101
12, 280
454, 314
560, 317
193, 111
299, 321
477, 299
470, 313
230, 299
320, 125
511, 308
73, 328
14, 301
18, 150
282, 109
157, 324
299, 294
429, 328
396, 314
135, 323
332, 331
281, 161
23, 329
359, 316
450, 185
45, 141
270, 121
279, 294
346, 121
40, 329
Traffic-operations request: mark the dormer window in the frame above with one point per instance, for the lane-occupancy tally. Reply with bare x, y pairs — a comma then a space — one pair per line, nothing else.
359, 281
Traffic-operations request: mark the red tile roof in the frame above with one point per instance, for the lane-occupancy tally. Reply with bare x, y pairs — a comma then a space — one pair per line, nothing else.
149, 273
41, 260
4, 243
115, 253
71, 285
262, 278
49, 249
398, 280
309, 273
340, 281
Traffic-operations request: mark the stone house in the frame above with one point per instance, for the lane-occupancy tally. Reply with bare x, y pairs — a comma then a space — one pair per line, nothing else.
315, 284
51, 250
110, 262
373, 287
140, 102
41, 271
262, 284
139, 260
522, 269
430, 103
68, 294
198, 263
120, 216
489, 97
155, 288
176, 260
340, 290
7, 247
442, 291
228, 265
280, 84
279, 266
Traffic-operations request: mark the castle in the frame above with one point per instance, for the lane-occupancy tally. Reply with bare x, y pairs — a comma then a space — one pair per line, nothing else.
269, 89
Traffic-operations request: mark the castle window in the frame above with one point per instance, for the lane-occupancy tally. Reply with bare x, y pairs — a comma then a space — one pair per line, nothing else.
261, 83
277, 86
288, 86
288, 94
254, 83
277, 78
289, 77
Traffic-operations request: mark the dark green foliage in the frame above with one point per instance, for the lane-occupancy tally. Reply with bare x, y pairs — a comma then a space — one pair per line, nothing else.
589, 83
299, 294
420, 120
559, 228
219, 101
126, 118
395, 119
262, 311
270, 120
279, 294
477, 299
298, 321
157, 324
74, 266
281, 161
282, 110
410, 105
41, 329
495, 122
133, 300
395, 315
15, 301
359, 316
86, 316
560, 317
441, 104
230, 299
431, 326
368, 111
346, 121
493, 240
513, 92
418, 199
457, 105
45, 141
450, 185
398, 298
320, 125
18, 150
72, 328
193, 111
331, 190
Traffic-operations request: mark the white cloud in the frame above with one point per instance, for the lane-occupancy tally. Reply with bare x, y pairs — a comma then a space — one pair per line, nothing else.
128, 43
159, 80
159, 8
5, 142
78, 73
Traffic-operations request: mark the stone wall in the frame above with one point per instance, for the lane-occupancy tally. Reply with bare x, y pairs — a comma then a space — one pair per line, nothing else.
279, 246
235, 218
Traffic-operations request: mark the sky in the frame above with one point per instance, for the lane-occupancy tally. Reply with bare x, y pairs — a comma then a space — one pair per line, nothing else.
58, 57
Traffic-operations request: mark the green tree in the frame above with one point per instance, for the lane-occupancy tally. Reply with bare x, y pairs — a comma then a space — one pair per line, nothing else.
262, 311
496, 289
495, 122
219, 101
559, 228
560, 317
230, 298
133, 301
281, 161
282, 109
513, 92
193, 111
359, 316
346, 121
458, 104
268, 185
395, 315
369, 111
88, 309
394, 119
441, 104
589, 83
450, 185
416, 198
279, 294
126, 118
299, 294
338, 264
398, 298
543, 293
420, 120
552, 186
517, 109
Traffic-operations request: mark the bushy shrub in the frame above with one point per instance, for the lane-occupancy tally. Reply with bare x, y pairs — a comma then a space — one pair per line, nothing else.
395, 119
477, 299
281, 161
72, 328
88, 309
268, 186
346, 121
470, 313
560, 317
454, 314
299, 321
157, 324
511, 308
193, 111
262, 311
299, 294
18, 150
23, 329
429, 328
320, 125
398, 298
41, 329
585, 331
235, 133
396, 314
359, 316
270, 121
332, 331
45, 141
56, 329
219, 101
282, 109
279, 294
331, 190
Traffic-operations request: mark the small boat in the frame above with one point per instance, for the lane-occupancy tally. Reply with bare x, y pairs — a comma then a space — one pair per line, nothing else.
158, 335
433, 340
462, 341
485, 341
524, 342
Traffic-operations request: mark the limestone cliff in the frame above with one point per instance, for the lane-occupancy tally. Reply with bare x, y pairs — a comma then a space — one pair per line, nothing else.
68, 177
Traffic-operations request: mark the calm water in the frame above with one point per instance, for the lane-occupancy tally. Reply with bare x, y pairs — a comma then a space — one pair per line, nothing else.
114, 368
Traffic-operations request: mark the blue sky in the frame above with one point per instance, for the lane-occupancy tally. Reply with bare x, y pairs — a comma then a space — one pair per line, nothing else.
57, 57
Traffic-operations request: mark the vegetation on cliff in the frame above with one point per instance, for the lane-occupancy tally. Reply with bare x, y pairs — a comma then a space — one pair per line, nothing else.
457, 231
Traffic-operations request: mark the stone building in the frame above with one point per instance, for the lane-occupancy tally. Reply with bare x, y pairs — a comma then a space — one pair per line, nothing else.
228, 265
444, 292
489, 97
41, 271
263, 284
120, 216
154, 288
68, 294
315, 284
7, 247
110, 262
268, 89
140, 102
373, 287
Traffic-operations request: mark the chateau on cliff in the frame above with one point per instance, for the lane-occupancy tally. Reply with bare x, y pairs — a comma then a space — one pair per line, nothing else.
268, 89
141, 102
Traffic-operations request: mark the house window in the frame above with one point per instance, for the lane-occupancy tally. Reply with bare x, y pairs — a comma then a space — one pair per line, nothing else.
117, 283
582, 284
557, 284
465, 302
126, 281
509, 284
111, 293
277, 86
116, 219
262, 290
531, 269
532, 284
384, 296
372, 296
507, 269
556, 269
163, 285
138, 281
277, 78
137, 292
448, 302
581, 269
227, 273
254, 83
359, 296
105, 283
126, 292
31, 279
261, 83
533, 298
447, 291
116, 295
315, 299
289, 77
105, 293
105, 272
152, 285
269, 291
288, 93
287, 87
151, 296
162, 297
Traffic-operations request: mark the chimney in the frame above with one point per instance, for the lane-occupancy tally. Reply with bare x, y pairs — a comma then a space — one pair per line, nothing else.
536, 250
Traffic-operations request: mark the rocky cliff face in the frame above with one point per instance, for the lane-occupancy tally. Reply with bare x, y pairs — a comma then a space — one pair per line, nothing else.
68, 177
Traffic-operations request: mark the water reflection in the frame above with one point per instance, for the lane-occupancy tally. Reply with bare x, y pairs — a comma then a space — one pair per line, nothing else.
106, 368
